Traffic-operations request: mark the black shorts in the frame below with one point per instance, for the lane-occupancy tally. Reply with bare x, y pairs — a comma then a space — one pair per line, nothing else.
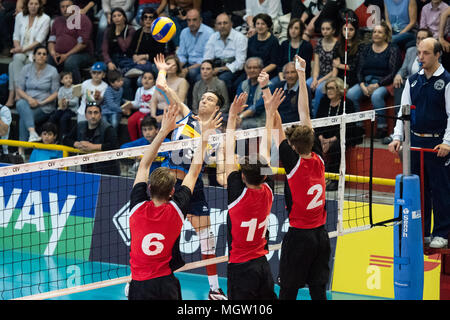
305, 254
161, 288
251, 280
198, 205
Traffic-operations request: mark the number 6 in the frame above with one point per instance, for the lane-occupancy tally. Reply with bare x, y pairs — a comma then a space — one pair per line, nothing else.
147, 243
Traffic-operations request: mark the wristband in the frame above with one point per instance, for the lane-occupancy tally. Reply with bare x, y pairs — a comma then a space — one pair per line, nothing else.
265, 87
163, 72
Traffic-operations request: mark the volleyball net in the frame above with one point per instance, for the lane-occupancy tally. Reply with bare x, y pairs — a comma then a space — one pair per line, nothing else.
64, 223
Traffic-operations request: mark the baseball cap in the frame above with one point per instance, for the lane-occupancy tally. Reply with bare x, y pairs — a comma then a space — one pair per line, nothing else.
98, 66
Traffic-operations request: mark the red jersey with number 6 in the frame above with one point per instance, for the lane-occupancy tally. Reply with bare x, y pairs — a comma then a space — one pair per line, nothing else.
307, 183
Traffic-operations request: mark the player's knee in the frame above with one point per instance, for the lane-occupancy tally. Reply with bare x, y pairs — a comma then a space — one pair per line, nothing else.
207, 241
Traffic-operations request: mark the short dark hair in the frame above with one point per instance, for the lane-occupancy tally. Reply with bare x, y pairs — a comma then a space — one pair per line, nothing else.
437, 47
114, 75
149, 121
208, 61
40, 46
264, 17
301, 137
50, 127
429, 33
252, 167
294, 21
90, 104
220, 98
65, 73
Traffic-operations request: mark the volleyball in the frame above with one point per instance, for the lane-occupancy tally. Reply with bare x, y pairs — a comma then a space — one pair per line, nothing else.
163, 29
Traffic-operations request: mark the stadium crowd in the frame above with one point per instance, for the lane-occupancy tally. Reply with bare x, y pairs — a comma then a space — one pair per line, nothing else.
105, 50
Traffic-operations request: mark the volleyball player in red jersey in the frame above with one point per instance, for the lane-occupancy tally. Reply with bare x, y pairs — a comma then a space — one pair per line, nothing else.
305, 251
156, 224
250, 197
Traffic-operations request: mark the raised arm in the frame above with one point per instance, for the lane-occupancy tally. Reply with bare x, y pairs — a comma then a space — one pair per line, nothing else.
271, 105
230, 141
168, 124
208, 128
303, 102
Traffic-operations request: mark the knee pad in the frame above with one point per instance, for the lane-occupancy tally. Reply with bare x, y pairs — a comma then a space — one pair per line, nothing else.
207, 241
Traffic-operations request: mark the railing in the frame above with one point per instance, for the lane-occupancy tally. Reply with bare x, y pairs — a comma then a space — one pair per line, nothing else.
37, 145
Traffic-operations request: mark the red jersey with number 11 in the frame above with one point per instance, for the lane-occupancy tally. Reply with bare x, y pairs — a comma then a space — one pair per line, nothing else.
307, 183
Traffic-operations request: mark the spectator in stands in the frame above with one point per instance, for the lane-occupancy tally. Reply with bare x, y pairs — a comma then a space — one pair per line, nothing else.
323, 63
37, 90
254, 7
228, 50
175, 82
430, 16
94, 134
157, 6
113, 99
49, 134
116, 42
295, 45
352, 47
142, 103
209, 82
288, 108
192, 45
320, 11
92, 90
105, 17
378, 64
254, 115
5, 123
87, 7
332, 104
67, 105
30, 30
264, 44
143, 48
71, 49
8, 10
178, 10
401, 17
444, 38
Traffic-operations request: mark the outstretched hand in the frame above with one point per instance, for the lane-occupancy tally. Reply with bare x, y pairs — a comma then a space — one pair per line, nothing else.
209, 126
160, 62
263, 79
300, 65
239, 104
272, 103
169, 119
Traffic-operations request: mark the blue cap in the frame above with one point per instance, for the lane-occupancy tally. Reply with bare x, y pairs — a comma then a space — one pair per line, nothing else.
98, 66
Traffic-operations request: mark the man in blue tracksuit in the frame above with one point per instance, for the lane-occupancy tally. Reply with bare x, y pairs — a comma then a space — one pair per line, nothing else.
429, 91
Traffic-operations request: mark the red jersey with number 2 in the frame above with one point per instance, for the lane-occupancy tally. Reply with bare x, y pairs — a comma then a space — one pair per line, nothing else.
307, 183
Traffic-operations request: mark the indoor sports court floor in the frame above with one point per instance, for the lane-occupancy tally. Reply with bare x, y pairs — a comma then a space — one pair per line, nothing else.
22, 275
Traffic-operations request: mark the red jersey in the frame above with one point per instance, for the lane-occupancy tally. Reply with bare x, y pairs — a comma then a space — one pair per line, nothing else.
248, 218
155, 232
306, 179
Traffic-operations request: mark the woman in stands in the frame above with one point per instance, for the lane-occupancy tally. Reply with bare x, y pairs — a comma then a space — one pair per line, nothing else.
31, 29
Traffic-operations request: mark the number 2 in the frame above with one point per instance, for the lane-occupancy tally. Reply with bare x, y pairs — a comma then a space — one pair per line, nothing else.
315, 202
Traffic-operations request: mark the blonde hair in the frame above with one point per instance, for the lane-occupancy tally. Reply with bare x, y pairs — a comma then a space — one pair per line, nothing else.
161, 182
301, 137
339, 85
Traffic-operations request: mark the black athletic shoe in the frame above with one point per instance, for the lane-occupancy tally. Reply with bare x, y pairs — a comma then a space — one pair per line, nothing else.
217, 295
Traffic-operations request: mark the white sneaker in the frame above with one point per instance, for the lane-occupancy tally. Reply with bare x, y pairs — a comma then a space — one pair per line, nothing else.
217, 295
34, 137
134, 73
438, 243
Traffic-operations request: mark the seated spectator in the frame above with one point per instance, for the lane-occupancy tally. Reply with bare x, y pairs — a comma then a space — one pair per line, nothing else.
5, 124
143, 48
323, 63
67, 106
228, 50
30, 30
295, 45
288, 108
264, 44
430, 16
8, 10
332, 104
37, 90
94, 134
352, 48
254, 7
178, 13
401, 17
174, 81
142, 103
157, 6
150, 129
49, 134
211, 9
92, 90
209, 82
254, 115
113, 99
378, 64
320, 11
104, 16
71, 49
192, 45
